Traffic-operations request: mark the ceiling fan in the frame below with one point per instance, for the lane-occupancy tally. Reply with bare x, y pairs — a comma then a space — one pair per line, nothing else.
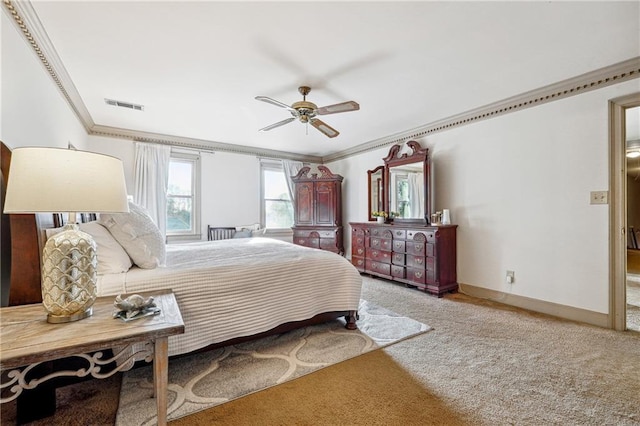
306, 112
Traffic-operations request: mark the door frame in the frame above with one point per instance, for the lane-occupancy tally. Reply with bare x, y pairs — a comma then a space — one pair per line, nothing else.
618, 210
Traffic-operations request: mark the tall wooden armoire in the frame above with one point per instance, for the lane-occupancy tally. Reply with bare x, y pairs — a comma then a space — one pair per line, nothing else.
318, 210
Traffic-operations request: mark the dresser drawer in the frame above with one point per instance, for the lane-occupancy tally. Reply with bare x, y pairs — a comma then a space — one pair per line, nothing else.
380, 268
307, 242
357, 241
357, 251
415, 248
379, 255
397, 271
399, 234
417, 275
328, 244
315, 233
430, 249
431, 277
429, 235
358, 262
377, 232
398, 259
417, 262
380, 243
431, 263
399, 245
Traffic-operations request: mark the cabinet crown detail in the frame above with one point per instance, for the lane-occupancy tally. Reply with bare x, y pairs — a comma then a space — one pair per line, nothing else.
325, 173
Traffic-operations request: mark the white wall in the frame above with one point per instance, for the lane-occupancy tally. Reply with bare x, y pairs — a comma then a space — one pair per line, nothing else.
518, 187
34, 112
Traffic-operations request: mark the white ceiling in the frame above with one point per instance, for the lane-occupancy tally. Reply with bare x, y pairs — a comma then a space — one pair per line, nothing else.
197, 66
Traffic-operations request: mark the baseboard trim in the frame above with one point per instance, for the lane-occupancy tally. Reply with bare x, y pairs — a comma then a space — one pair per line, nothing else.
536, 305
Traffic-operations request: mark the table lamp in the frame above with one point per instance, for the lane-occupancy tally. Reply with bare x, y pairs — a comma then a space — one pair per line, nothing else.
53, 180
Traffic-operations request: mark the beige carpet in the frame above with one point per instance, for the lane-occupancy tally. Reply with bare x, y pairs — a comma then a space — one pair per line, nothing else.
483, 364
207, 379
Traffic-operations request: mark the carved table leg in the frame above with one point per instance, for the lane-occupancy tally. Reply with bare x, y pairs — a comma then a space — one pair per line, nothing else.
161, 378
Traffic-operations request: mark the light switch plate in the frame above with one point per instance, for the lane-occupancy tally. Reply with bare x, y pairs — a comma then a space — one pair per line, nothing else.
599, 197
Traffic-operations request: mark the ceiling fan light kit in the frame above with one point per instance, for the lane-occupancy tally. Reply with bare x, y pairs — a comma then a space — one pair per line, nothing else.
306, 112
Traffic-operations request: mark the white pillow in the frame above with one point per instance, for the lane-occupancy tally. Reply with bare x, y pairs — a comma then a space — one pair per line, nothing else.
138, 235
112, 259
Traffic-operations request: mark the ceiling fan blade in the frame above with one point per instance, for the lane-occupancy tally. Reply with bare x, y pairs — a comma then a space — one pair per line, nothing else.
278, 124
324, 128
341, 107
274, 102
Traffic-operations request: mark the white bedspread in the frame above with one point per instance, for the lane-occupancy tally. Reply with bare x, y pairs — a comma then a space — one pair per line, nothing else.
239, 287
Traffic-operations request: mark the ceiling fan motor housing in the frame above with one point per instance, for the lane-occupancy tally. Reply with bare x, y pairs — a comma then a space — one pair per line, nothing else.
304, 109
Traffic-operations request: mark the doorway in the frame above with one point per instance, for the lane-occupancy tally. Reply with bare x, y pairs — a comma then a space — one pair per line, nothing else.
632, 136
622, 122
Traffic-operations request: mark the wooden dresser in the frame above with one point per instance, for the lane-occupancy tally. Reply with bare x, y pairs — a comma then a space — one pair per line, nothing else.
417, 255
318, 210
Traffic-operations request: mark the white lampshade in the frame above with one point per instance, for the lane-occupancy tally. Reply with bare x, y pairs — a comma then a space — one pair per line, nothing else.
55, 180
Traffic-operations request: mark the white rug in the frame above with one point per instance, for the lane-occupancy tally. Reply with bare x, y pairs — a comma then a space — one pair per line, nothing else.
201, 381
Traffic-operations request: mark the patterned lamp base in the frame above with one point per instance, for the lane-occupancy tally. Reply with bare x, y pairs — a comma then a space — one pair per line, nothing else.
69, 273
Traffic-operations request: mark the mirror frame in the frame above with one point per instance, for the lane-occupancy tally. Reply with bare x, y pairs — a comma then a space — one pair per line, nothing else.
418, 154
381, 192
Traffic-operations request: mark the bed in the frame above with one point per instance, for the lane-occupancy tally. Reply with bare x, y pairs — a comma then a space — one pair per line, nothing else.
228, 290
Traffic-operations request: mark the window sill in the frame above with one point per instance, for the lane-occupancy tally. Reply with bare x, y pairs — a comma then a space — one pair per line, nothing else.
275, 232
183, 238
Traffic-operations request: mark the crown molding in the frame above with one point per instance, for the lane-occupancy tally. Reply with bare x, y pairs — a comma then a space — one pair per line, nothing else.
28, 23
613, 74
198, 144
25, 18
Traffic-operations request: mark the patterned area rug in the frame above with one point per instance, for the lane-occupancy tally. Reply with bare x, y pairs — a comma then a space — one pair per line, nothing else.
203, 380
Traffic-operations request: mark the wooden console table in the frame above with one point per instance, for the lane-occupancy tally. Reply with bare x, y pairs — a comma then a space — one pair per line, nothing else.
27, 341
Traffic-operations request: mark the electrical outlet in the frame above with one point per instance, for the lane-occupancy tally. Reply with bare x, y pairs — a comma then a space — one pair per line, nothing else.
599, 197
511, 277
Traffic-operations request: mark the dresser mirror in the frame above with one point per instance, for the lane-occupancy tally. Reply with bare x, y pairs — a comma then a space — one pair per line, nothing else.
375, 180
407, 190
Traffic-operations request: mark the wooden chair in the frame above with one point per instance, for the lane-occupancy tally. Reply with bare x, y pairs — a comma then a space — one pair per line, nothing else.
220, 233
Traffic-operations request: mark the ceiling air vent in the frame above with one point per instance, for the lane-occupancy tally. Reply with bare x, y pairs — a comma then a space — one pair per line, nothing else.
124, 104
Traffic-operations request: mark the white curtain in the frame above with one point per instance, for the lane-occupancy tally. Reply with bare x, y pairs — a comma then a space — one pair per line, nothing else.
151, 180
416, 194
291, 168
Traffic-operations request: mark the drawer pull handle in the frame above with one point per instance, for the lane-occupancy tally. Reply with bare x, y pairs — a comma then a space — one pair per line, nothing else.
418, 247
374, 253
376, 242
419, 261
301, 241
360, 251
418, 274
360, 262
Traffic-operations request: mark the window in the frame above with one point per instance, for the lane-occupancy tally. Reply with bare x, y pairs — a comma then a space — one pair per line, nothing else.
277, 209
182, 195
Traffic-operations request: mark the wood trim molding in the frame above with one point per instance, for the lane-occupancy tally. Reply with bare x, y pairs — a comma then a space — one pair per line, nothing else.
536, 305
28, 23
613, 74
618, 210
197, 144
